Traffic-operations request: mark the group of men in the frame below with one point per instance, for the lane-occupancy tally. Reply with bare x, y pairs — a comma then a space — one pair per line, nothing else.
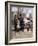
19, 23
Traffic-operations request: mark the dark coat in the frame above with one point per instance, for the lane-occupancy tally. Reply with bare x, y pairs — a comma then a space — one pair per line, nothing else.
21, 22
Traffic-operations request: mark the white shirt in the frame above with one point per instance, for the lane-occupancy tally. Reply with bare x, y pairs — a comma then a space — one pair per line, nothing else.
26, 21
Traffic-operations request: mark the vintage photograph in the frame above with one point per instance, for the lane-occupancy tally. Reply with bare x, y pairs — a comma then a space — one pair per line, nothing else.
21, 19
20, 22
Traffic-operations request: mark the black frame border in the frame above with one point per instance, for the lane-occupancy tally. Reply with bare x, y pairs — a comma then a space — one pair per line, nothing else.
6, 14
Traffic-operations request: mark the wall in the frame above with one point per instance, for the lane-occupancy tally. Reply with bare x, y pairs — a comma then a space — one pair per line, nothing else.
37, 22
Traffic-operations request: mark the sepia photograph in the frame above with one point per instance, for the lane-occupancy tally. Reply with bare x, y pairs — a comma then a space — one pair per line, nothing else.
21, 19
20, 22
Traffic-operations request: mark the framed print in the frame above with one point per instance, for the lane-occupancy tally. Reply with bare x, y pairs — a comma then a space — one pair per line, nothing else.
20, 22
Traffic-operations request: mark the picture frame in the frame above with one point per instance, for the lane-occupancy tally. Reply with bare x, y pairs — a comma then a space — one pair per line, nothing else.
11, 8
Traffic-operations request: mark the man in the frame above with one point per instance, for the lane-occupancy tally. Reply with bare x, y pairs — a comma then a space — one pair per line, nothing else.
15, 22
21, 23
